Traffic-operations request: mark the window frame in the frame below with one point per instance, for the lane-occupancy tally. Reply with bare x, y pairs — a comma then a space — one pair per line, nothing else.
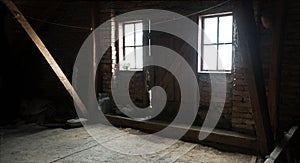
201, 43
122, 46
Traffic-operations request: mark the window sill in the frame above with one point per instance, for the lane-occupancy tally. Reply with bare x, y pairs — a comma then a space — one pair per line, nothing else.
214, 72
131, 70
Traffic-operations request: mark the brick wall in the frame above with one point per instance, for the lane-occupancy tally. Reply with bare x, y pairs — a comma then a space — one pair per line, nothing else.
204, 80
205, 100
64, 44
289, 72
242, 116
289, 102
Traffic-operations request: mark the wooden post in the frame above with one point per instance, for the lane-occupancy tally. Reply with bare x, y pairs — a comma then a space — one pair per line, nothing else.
38, 42
248, 44
275, 64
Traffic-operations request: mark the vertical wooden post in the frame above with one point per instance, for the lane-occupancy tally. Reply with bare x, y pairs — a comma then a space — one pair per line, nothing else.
275, 63
248, 44
38, 42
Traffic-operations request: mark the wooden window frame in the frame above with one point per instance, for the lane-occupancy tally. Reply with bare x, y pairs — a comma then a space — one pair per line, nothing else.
201, 43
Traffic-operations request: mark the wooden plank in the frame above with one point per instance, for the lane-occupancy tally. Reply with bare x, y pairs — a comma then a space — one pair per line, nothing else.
217, 136
274, 66
280, 149
38, 42
248, 44
253, 159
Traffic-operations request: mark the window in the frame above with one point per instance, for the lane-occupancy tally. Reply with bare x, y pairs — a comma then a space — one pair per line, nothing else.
215, 43
131, 46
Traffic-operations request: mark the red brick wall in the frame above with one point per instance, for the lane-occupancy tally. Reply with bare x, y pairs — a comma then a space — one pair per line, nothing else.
242, 117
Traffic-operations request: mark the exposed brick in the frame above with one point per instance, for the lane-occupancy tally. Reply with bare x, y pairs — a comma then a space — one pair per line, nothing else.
238, 109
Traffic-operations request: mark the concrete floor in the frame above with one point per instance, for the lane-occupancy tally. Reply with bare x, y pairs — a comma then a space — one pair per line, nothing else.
33, 143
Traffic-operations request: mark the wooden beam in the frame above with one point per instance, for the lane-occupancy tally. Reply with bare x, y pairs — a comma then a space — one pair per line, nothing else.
248, 45
278, 153
222, 139
38, 42
274, 67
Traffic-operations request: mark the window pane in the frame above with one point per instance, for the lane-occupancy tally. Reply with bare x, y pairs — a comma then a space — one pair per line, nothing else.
225, 57
225, 29
210, 30
209, 57
139, 57
139, 34
129, 34
129, 61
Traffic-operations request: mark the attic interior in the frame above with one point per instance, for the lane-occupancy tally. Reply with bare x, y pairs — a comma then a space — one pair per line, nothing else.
226, 70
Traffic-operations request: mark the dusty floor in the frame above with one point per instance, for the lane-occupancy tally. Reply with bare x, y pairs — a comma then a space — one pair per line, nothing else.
32, 143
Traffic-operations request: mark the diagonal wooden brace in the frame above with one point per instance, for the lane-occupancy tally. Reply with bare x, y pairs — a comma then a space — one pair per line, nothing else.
38, 42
